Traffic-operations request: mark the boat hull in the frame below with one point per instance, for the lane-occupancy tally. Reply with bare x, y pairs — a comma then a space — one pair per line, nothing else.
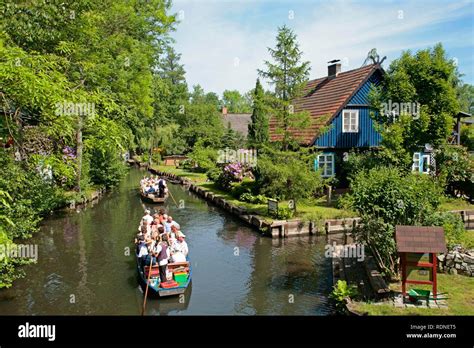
154, 287
151, 198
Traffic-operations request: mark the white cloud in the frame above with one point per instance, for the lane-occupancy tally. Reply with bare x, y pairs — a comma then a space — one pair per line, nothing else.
215, 35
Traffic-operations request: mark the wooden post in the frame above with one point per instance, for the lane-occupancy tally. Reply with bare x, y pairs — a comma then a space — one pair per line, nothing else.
329, 195
403, 261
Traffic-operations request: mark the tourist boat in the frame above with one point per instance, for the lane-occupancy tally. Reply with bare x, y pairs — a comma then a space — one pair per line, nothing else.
152, 198
183, 269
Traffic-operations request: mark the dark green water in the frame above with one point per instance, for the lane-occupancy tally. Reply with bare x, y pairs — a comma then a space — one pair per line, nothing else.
84, 267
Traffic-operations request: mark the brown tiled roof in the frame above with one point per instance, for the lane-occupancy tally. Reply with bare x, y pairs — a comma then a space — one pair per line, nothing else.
420, 239
323, 98
238, 122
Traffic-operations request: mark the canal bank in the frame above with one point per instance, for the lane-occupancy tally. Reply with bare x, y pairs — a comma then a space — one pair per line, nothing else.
86, 263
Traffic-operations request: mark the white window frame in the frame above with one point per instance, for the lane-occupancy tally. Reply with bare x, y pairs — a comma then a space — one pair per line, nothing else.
323, 163
426, 169
353, 126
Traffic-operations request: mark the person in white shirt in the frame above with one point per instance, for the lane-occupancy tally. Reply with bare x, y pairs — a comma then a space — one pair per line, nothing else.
171, 222
181, 245
147, 217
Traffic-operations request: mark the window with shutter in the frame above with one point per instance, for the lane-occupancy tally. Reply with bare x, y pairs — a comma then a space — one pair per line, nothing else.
325, 163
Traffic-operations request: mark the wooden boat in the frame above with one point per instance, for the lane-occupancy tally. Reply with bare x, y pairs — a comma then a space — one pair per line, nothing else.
152, 198
155, 288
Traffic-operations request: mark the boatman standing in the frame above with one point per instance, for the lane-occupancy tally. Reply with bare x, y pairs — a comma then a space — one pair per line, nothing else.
162, 253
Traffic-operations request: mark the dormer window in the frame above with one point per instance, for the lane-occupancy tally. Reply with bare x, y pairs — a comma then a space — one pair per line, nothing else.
350, 121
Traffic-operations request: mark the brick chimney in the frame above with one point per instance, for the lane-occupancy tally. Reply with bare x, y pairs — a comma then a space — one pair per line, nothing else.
224, 110
334, 68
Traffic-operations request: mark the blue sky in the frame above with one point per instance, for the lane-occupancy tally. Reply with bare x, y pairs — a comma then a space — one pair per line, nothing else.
223, 43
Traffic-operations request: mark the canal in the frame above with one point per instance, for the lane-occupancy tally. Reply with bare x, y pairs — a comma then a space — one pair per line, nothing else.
86, 264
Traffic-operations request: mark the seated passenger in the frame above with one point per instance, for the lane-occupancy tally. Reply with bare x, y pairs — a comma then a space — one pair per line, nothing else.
178, 257
181, 245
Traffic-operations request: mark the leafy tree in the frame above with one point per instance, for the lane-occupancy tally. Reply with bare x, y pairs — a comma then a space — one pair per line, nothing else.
235, 102
258, 128
286, 175
203, 157
288, 76
465, 95
168, 139
104, 53
427, 77
171, 90
232, 139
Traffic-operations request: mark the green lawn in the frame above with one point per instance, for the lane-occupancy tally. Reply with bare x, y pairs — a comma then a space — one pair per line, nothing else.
195, 177
455, 204
460, 293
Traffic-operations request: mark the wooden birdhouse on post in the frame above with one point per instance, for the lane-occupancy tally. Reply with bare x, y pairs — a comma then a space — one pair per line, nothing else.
417, 247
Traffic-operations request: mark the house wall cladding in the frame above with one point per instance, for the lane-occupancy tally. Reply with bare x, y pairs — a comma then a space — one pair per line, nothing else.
367, 135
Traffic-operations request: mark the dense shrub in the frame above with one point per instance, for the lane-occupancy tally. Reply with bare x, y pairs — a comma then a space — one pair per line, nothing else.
283, 213
467, 137
230, 173
31, 195
456, 167
103, 150
213, 174
63, 167
246, 186
106, 167
340, 292
379, 237
452, 224
24, 198
248, 197
354, 162
385, 193
203, 158
286, 176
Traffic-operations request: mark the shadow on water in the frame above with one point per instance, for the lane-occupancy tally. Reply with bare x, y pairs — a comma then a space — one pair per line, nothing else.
84, 267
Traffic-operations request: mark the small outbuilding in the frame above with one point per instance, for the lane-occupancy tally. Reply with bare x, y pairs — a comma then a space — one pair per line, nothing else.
417, 247
173, 160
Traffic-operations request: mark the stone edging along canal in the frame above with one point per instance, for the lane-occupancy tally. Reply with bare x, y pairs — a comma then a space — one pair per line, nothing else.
275, 228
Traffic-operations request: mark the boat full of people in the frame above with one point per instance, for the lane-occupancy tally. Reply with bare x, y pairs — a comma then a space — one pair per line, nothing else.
162, 255
154, 189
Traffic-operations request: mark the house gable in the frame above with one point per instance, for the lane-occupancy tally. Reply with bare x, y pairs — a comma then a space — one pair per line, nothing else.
366, 136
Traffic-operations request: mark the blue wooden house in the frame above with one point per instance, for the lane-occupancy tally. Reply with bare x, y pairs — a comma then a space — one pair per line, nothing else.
338, 104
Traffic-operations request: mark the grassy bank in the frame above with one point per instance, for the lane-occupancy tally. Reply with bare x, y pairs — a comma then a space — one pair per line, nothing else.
76, 197
449, 204
459, 290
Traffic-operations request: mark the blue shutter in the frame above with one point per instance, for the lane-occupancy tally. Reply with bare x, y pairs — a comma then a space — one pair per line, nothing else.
316, 163
417, 155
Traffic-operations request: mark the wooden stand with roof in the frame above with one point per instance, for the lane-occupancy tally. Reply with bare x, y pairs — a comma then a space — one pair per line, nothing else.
413, 242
